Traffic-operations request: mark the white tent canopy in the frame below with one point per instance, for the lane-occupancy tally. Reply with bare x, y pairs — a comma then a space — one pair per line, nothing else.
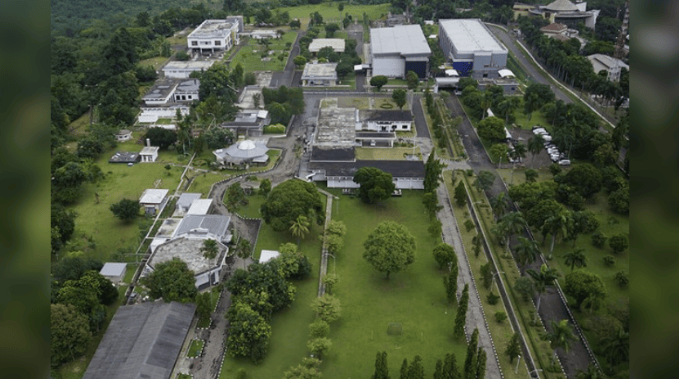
505, 73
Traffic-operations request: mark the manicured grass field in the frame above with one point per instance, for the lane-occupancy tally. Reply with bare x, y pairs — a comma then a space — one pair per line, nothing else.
195, 348
250, 57
289, 335
394, 153
519, 176
95, 218
353, 102
414, 298
331, 14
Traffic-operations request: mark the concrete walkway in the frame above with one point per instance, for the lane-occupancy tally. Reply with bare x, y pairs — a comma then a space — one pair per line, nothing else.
475, 317
324, 249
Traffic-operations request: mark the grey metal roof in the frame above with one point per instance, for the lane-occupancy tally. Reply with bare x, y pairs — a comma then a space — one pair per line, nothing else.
142, 341
470, 35
561, 5
244, 150
186, 199
189, 86
202, 224
401, 39
113, 269
398, 169
124, 157
385, 115
332, 154
363, 135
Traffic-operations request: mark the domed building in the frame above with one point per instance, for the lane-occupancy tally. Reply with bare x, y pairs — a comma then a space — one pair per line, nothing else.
243, 154
561, 11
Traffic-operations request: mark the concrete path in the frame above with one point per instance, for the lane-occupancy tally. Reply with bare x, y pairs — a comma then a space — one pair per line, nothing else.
324, 249
475, 318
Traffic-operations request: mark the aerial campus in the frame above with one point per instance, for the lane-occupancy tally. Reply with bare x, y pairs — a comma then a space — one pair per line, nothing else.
292, 189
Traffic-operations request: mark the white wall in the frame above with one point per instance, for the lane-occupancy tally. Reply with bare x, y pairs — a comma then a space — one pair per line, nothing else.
178, 74
390, 66
374, 125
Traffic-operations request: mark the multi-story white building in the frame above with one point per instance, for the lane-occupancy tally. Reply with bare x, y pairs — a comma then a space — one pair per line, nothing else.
471, 48
216, 35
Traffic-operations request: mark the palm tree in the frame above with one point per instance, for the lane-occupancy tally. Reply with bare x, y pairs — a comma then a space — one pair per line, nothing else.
557, 224
561, 336
243, 249
591, 373
535, 146
543, 278
526, 252
499, 204
513, 223
576, 258
300, 227
616, 347
519, 152
594, 300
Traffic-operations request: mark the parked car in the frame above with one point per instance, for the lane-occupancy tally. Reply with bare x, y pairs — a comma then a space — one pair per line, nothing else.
564, 162
547, 137
539, 131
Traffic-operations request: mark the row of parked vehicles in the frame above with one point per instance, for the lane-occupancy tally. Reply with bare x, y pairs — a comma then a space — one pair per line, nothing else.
552, 150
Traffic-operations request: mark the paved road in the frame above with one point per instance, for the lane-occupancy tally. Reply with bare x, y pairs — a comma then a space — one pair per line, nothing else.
475, 318
285, 78
551, 307
420, 120
538, 75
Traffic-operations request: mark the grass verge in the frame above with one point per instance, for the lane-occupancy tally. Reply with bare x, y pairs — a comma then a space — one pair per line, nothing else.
195, 348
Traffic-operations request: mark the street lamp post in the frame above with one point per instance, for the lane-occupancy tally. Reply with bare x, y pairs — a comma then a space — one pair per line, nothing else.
492, 280
516, 370
534, 371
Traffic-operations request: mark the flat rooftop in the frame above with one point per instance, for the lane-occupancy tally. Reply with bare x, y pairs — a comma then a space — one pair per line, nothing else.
113, 269
188, 86
153, 196
212, 29
189, 65
188, 250
200, 207
160, 91
187, 198
398, 169
329, 154
336, 126
470, 35
124, 157
216, 225
401, 39
142, 341
337, 44
320, 70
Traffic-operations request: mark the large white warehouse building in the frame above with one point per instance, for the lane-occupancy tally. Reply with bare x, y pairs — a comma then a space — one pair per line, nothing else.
395, 51
471, 48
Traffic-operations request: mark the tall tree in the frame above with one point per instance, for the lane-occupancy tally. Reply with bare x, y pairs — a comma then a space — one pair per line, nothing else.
576, 257
557, 224
289, 200
450, 284
399, 97
450, 369
300, 227
249, 333
375, 184
460, 194
444, 255
209, 248
527, 252
541, 279
561, 336
616, 347
327, 307
379, 81
390, 247
432, 172
381, 366
172, 280
69, 332
513, 349
470, 361
535, 145
499, 204
513, 223
481, 364
404, 369
412, 79
415, 370
461, 316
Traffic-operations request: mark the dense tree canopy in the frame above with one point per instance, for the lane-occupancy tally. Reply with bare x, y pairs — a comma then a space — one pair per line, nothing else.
389, 248
375, 184
126, 209
69, 333
266, 278
583, 284
249, 333
172, 280
288, 201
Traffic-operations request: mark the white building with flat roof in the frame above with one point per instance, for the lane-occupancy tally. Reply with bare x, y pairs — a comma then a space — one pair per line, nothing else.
317, 44
395, 51
471, 48
214, 35
319, 74
115, 272
182, 70
153, 200
601, 62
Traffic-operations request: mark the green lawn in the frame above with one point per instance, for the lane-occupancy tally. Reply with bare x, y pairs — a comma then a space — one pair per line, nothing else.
203, 183
95, 218
250, 57
415, 298
79, 126
394, 153
353, 102
184, 376
501, 333
519, 176
289, 336
155, 62
387, 103
331, 14
195, 348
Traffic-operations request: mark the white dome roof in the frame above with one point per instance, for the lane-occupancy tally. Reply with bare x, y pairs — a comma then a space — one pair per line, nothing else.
246, 145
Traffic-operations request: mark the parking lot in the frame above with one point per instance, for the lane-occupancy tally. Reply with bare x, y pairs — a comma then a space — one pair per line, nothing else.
541, 160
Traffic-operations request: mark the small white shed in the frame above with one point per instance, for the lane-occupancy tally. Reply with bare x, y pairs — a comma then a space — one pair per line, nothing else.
115, 272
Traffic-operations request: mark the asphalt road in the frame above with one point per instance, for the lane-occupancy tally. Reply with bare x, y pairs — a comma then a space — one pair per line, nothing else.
552, 308
285, 78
